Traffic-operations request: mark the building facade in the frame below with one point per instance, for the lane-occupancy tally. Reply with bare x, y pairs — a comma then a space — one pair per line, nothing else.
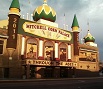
40, 49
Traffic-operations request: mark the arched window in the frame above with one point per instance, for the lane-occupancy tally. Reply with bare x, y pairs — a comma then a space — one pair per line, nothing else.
49, 50
63, 52
31, 51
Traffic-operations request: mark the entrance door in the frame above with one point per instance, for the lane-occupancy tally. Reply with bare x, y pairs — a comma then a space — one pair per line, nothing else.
32, 71
63, 72
6, 72
48, 72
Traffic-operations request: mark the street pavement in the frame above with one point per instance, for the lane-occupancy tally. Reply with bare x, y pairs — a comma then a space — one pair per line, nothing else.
68, 83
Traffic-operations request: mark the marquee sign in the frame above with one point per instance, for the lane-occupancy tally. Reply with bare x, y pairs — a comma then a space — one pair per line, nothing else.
50, 63
44, 31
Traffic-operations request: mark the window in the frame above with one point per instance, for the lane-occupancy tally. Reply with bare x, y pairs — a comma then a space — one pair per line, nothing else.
63, 52
49, 51
31, 51
1, 46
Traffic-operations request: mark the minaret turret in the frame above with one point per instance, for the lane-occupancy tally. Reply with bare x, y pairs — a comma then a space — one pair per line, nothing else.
89, 39
75, 25
75, 29
14, 15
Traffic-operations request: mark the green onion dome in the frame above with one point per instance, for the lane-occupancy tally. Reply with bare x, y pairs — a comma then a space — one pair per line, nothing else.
89, 38
44, 12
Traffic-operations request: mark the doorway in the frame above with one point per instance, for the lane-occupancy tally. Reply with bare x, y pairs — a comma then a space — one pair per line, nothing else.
32, 72
6, 72
63, 72
48, 72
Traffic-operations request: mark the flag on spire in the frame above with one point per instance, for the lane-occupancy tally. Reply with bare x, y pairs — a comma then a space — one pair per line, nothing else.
88, 26
45, 1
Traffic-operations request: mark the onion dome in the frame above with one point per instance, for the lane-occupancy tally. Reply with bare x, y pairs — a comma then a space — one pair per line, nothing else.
44, 12
89, 38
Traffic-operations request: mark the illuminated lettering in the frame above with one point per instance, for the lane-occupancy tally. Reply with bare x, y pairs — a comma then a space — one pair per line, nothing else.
52, 29
68, 64
14, 30
13, 36
15, 20
41, 30
27, 26
51, 63
36, 27
14, 25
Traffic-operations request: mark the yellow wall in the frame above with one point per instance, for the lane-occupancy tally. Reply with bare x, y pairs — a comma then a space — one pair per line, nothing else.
3, 23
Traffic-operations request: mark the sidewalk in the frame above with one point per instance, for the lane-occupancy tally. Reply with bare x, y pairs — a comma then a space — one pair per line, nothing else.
20, 80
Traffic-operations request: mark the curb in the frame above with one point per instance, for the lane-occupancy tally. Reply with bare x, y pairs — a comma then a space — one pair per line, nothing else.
38, 80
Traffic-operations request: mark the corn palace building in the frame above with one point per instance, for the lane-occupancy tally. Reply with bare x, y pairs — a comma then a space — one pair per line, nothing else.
40, 49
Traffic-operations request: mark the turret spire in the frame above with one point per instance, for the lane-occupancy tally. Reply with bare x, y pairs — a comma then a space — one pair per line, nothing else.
15, 4
15, 7
75, 24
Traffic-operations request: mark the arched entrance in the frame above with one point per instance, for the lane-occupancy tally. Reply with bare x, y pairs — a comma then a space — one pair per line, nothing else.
49, 50
63, 52
31, 49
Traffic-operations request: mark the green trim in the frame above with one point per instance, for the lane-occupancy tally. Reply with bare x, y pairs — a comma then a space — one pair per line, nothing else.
15, 4
88, 39
45, 16
75, 22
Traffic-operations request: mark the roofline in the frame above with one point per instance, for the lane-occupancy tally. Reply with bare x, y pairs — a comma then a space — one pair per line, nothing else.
4, 36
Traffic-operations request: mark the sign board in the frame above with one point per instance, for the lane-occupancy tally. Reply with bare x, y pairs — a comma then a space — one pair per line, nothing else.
50, 63
45, 31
